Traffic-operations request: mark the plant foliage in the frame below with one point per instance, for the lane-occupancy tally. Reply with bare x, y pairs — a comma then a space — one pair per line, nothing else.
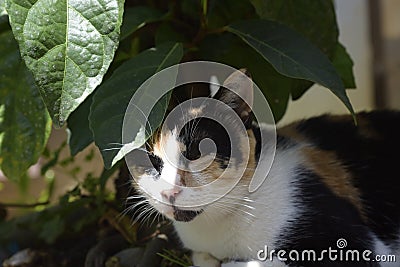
70, 48
79, 63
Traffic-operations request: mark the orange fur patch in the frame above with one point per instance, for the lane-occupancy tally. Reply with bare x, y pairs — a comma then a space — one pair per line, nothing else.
332, 172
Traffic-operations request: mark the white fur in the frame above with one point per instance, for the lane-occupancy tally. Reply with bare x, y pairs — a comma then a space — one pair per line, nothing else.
254, 220
383, 250
240, 224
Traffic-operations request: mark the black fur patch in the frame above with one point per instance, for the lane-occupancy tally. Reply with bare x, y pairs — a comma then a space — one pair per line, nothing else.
257, 136
371, 153
185, 215
324, 218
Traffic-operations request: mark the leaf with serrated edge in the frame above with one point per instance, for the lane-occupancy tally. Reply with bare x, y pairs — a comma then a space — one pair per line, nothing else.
24, 122
68, 45
112, 98
291, 54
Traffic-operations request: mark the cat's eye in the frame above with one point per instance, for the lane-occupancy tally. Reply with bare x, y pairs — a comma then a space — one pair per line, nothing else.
156, 162
144, 162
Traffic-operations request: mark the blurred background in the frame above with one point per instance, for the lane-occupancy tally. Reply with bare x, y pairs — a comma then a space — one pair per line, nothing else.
370, 31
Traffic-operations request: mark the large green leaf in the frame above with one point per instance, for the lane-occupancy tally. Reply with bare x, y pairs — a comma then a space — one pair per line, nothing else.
68, 45
24, 122
291, 54
111, 99
80, 135
231, 50
315, 20
343, 65
223, 12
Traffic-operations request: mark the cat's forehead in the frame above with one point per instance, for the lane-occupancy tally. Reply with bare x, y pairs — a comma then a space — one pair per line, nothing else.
168, 140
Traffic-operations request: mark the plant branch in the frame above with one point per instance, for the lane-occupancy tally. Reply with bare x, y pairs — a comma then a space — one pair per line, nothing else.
22, 205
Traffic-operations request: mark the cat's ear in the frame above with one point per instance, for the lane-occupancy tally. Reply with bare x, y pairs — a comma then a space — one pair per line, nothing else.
237, 93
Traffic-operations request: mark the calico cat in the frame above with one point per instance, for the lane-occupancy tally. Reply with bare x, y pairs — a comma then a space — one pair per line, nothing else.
332, 193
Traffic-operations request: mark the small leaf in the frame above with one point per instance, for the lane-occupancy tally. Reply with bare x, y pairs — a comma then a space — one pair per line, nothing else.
112, 98
80, 135
291, 54
136, 18
344, 66
24, 122
68, 45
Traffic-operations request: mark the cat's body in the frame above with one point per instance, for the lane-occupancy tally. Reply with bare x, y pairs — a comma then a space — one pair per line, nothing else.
330, 182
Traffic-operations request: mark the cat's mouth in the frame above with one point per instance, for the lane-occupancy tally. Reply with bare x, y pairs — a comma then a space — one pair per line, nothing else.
185, 215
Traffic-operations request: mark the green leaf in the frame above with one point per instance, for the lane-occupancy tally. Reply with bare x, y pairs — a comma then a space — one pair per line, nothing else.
231, 50
80, 135
67, 45
224, 12
24, 122
291, 54
3, 11
166, 33
344, 66
52, 229
138, 17
299, 87
112, 98
315, 20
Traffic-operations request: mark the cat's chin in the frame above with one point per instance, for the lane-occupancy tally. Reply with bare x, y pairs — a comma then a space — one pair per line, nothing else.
185, 215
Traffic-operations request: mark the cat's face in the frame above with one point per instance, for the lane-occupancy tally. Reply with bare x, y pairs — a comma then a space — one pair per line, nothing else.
199, 154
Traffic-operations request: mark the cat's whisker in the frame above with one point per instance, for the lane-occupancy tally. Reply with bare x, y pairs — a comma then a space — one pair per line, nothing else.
111, 148
233, 204
234, 198
135, 197
235, 212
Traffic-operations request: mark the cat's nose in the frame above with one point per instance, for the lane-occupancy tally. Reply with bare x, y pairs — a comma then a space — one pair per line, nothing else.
170, 194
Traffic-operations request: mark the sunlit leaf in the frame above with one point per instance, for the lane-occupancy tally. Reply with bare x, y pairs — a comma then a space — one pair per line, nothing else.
68, 45
112, 98
3, 8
